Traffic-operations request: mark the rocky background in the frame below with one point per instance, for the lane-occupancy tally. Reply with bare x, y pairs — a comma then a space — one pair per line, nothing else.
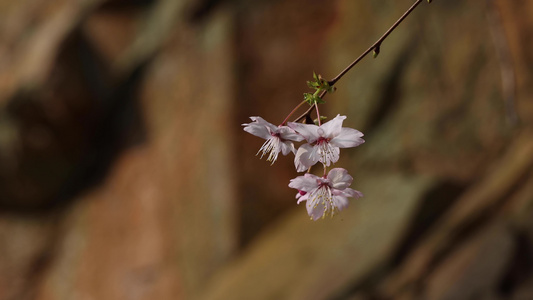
125, 173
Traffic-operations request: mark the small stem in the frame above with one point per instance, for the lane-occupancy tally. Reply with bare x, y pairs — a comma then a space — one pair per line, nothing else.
292, 112
308, 111
325, 169
318, 115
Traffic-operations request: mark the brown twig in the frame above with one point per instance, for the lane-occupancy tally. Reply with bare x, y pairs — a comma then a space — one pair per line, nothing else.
374, 46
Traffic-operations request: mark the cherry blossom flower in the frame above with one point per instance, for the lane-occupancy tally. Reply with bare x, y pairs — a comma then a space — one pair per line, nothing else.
324, 142
278, 138
325, 195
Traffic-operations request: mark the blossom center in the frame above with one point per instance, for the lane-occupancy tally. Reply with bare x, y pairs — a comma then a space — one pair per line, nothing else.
275, 134
323, 197
325, 151
322, 140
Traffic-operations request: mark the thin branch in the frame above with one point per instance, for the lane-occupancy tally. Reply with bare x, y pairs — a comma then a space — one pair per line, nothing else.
308, 111
292, 112
374, 46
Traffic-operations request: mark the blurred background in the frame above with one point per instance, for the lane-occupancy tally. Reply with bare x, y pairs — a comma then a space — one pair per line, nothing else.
125, 172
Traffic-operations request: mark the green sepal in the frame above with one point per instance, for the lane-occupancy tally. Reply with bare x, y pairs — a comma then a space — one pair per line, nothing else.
312, 84
319, 100
316, 77
312, 99
322, 119
308, 98
331, 89
320, 84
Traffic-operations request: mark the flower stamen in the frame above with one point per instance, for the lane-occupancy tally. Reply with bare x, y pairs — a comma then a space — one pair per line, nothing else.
272, 147
323, 196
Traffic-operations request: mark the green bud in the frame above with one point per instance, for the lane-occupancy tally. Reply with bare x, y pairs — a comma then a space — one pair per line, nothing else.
319, 85
322, 119
375, 52
312, 84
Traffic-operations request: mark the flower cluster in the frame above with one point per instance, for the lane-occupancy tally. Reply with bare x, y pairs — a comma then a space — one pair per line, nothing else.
325, 195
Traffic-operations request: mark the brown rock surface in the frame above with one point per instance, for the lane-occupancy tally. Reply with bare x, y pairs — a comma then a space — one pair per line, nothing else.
125, 174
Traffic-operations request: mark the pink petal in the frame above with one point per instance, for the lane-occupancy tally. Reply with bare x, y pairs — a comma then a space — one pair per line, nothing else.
261, 121
348, 192
333, 128
305, 157
257, 130
259, 127
315, 210
339, 178
308, 131
288, 134
347, 138
302, 197
287, 147
305, 183
340, 201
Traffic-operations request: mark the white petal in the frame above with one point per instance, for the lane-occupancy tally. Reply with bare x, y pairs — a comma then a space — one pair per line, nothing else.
308, 131
261, 121
257, 130
287, 147
340, 201
347, 138
339, 178
305, 157
333, 128
305, 183
348, 192
288, 134
259, 127
315, 210
302, 198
